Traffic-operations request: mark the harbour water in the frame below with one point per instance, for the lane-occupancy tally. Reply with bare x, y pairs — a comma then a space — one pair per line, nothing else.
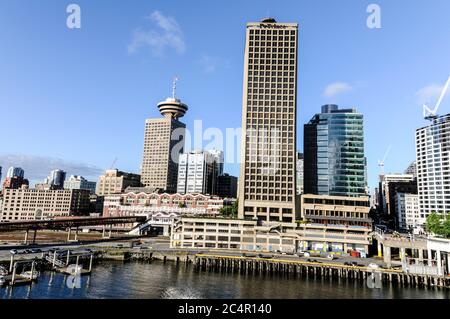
156, 280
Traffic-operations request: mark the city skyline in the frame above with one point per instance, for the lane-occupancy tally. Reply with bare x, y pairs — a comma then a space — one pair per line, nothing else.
217, 76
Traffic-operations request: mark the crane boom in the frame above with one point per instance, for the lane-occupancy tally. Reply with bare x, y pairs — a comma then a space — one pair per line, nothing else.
442, 95
430, 114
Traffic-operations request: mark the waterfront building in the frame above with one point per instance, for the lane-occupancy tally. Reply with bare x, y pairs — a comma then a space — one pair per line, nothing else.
407, 209
227, 186
131, 203
198, 172
115, 181
243, 234
342, 222
189, 232
331, 224
163, 144
33, 204
15, 172
334, 162
267, 185
433, 167
56, 179
79, 182
299, 173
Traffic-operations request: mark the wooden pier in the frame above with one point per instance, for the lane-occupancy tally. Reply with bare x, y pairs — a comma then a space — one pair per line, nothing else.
306, 269
15, 278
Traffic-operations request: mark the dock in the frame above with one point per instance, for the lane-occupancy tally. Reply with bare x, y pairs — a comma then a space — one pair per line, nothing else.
307, 269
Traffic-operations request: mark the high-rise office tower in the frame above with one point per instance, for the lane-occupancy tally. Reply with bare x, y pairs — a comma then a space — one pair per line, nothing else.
267, 183
163, 143
334, 160
56, 179
15, 172
433, 167
198, 172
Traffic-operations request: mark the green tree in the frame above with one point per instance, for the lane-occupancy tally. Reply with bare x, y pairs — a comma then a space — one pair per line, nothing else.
230, 210
434, 223
446, 227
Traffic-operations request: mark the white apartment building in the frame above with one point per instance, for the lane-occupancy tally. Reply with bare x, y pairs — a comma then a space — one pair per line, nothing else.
198, 172
433, 166
408, 216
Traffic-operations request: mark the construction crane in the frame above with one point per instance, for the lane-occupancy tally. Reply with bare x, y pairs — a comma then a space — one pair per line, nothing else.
381, 162
429, 114
113, 163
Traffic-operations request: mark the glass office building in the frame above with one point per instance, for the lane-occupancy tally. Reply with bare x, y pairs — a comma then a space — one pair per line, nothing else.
334, 162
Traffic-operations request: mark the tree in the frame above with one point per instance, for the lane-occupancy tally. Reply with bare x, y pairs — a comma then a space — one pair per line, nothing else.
438, 224
230, 210
433, 223
446, 226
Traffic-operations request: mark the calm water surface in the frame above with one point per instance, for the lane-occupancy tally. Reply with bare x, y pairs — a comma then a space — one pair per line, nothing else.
158, 280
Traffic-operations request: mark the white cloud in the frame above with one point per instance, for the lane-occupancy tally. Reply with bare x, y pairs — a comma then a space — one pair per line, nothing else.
429, 95
337, 88
166, 34
37, 168
211, 64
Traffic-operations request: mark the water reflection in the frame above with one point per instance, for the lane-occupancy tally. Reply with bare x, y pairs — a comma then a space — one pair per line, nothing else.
171, 281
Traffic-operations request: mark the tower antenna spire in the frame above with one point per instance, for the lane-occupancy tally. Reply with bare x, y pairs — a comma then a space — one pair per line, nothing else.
174, 87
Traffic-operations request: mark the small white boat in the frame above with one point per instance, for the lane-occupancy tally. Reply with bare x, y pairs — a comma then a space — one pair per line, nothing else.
29, 275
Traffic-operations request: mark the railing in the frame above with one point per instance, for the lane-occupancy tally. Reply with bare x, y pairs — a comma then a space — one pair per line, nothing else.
57, 262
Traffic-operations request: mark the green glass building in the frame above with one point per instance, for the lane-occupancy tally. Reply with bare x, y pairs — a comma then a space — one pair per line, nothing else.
334, 162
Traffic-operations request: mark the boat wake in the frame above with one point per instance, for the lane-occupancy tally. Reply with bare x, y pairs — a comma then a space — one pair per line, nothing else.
180, 293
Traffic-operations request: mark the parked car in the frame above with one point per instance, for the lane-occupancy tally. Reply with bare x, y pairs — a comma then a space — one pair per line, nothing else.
13, 251
264, 256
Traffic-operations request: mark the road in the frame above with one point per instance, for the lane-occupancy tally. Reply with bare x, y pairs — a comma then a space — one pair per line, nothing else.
162, 244
156, 243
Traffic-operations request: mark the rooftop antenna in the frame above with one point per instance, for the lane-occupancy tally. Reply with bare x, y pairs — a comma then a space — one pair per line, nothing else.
432, 114
174, 87
381, 163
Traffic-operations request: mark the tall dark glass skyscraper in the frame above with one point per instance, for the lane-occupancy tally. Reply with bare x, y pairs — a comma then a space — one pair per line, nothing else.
334, 162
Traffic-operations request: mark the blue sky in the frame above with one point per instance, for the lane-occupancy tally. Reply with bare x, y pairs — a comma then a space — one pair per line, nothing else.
79, 98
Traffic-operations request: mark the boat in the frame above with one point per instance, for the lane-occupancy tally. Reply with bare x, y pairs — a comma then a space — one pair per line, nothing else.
30, 275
